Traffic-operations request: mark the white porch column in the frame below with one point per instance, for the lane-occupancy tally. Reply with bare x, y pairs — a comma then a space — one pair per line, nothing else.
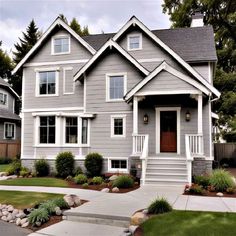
135, 115
199, 112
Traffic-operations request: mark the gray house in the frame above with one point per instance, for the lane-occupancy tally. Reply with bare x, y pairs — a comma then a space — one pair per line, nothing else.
10, 131
139, 97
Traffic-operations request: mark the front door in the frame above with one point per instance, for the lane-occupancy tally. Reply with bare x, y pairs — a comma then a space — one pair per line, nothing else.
168, 131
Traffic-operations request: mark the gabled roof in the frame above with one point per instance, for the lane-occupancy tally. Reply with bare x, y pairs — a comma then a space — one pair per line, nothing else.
57, 22
165, 66
8, 86
110, 43
134, 21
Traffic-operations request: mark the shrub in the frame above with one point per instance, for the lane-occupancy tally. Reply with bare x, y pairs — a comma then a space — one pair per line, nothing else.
230, 190
202, 180
49, 206
97, 180
85, 185
69, 178
93, 163
196, 189
41, 167
80, 179
14, 168
24, 172
159, 206
38, 215
221, 180
5, 160
78, 170
65, 164
60, 202
123, 181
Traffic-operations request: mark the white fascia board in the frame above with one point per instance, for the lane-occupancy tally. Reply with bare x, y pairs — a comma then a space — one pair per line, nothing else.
135, 21
110, 43
214, 115
58, 21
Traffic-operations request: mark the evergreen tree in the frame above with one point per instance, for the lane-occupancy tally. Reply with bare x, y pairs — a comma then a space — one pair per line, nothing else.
62, 16
6, 64
74, 24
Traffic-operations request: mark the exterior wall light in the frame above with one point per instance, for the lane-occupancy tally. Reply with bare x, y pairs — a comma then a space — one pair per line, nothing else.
187, 116
145, 119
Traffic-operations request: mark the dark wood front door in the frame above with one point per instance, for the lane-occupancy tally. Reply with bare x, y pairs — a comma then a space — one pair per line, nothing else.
168, 131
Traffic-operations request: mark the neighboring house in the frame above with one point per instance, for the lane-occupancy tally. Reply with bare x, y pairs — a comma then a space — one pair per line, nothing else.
10, 131
139, 97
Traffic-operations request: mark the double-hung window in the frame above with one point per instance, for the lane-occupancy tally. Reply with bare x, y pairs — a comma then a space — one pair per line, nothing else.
60, 45
47, 83
134, 42
3, 99
71, 130
9, 131
84, 131
118, 126
116, 87
47, 130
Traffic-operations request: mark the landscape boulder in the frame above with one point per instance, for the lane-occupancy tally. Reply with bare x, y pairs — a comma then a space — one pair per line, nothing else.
138, 218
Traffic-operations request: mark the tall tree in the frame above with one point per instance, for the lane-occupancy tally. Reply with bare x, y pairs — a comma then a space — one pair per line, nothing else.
221, 14
6, 64
74, 24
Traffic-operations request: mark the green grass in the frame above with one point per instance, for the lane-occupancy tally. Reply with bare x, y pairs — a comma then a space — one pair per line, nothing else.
185, 223
47, 182
22, 200
3, 167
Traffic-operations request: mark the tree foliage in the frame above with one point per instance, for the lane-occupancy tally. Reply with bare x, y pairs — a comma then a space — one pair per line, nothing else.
6, 64
221, 14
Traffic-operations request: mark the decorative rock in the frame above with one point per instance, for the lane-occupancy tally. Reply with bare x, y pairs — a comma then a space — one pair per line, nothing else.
220, 194
15, 211
115, 190
10, 208
26, 224
38, 223
145, 211
11, 221
23, 221
3, 174
5, 213
138, 218
12, 177
72, 200
0, 214
105, 190
18, 220
4, 218
113, 177
132, 228
9, 217
20, 215
58, 211
76, 200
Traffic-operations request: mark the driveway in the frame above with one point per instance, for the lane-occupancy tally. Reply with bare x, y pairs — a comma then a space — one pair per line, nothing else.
12, 230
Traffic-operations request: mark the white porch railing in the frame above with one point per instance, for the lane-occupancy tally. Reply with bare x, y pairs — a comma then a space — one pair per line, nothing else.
140, 147
193, 148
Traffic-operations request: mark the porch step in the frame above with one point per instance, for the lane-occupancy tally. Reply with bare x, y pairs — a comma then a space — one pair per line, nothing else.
180, 170
165, 182
166, 176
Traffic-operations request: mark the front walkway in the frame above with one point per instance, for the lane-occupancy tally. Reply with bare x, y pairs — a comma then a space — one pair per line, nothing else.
124, 205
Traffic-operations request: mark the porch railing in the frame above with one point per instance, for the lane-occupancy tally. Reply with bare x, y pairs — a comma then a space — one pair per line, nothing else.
138, 142
193, 148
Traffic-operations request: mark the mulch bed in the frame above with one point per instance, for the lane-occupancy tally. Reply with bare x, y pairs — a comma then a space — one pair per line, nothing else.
211, 194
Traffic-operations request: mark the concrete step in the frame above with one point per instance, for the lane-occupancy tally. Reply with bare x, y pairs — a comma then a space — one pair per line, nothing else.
170, 161
154, 169
166, 176
100, 219
166, 165
165, 182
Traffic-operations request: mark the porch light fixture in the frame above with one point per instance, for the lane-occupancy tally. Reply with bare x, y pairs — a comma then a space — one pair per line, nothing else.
145, 119
187, 116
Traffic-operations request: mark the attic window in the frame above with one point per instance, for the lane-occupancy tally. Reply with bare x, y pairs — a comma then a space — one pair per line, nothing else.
61, 45
3, 99
134, 42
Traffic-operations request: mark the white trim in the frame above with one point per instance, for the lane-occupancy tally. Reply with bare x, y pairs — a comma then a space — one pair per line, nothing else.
135, 21
214, 115
85, 92
113, 117
165, 66
4, 131
166, 92
135, 115
53, 109
199, 113
43, 69
140, 41
37, 93
5, 106
113, 112
64, 81
109, 159
22, 131
110, 43
210, 130
210, 72
150, 60
61, 36
158, 130
52, 63
108, 76
57, 22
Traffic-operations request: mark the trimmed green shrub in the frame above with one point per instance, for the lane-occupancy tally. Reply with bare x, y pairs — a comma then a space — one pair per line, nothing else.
93, 163
221, 180
41, 167
49, 206
65, 164
38, 215
24, 172
202, 180
97, 180
159, 206
80, 179
77, 171
123, 181
14, 168
60, 202
85, 185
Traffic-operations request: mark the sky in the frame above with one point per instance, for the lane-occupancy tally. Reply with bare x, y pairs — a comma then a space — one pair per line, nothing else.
100, 15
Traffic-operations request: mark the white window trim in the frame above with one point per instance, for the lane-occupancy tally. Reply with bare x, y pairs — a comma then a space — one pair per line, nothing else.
110, 169
113, 117
37, 70
58, 37
7, 97
140, 42
64, 81
108, 75
9, 123
158, 130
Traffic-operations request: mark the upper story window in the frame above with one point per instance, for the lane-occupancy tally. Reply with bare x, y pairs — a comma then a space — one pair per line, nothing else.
134, 42
9, 130
3, 98
61, 45
47, 130
116, 87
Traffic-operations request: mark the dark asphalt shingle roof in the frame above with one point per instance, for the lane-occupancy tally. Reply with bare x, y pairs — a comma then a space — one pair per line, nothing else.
6, 114
192, 44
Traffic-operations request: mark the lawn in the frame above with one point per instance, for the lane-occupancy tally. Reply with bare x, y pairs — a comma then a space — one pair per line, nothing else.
22, 200
3, 167
192, 223
47, 182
